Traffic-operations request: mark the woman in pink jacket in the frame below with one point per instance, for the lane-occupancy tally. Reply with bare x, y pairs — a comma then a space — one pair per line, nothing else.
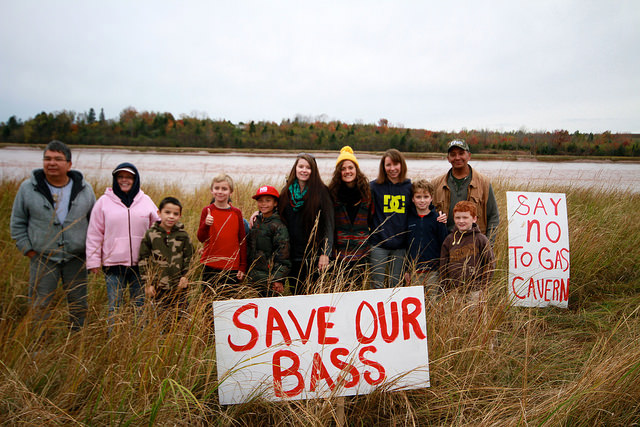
119, 220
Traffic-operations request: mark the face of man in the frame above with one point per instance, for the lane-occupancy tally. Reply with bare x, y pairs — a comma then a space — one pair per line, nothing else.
458, 158
55, 167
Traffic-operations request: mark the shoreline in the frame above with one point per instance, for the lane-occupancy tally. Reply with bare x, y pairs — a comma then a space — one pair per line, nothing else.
506, 155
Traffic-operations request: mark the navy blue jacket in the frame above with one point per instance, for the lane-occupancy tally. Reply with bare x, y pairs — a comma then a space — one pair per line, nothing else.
391, 204
426, 236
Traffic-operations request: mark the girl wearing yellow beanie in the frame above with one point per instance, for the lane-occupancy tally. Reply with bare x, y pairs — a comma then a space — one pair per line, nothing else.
352, 207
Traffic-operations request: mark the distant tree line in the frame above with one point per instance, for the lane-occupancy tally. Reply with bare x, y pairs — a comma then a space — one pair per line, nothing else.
155, 129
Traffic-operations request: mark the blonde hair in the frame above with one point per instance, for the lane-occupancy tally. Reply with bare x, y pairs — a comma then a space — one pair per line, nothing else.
221, 178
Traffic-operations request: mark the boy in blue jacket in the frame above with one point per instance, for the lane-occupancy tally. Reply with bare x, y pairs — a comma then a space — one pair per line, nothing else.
426, 232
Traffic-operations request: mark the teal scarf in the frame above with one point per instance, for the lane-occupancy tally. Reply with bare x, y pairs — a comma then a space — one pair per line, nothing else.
297, 196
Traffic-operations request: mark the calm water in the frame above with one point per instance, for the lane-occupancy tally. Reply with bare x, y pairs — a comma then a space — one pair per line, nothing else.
192, 170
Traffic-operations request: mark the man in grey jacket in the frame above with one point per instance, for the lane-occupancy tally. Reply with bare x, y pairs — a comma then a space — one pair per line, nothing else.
49, 223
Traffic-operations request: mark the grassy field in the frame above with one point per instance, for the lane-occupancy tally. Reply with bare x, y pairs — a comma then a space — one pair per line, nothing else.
489, 365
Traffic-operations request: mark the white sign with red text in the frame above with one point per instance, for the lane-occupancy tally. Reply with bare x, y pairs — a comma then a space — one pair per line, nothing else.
538, 249
315, 346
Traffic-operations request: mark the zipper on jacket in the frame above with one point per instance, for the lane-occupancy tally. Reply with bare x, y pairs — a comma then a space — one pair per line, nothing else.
130, 242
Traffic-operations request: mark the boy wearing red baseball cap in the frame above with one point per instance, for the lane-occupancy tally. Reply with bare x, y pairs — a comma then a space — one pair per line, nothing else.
268, 245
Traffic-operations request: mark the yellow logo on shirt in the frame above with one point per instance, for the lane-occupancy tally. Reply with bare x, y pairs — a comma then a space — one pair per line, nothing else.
393, 204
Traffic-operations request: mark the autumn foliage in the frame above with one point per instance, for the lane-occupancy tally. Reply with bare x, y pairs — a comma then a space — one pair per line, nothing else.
156, 129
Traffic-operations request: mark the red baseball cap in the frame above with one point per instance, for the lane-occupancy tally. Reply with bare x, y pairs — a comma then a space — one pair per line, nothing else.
266, 190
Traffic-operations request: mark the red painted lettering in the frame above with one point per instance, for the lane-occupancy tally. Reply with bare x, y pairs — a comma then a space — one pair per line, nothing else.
530, 225
558, 232
515, 254
250, 328
532, 287
546, 263
323, 325
362, 339
378, 367
556, 290
275, 322
555, 204
522, 199
564, 251
319, 372
539, 205
345, 368
382, 318
304, 336
411, 318
279, 373
513, 287
564, 290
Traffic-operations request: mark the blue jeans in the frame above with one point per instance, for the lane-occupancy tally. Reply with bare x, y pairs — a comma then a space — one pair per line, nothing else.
382, 258
43, 281
117, 277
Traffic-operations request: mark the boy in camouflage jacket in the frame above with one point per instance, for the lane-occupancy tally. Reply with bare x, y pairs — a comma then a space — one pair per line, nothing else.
165, 255
268, 245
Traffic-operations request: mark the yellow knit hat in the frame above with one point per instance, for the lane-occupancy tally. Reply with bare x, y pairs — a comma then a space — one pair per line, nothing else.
346, 153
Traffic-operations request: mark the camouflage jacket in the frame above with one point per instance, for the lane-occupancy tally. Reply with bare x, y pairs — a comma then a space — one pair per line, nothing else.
268, 250
165, 257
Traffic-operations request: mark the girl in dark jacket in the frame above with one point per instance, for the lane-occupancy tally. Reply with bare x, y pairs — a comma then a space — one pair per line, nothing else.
307, 210
391, 193
352, 207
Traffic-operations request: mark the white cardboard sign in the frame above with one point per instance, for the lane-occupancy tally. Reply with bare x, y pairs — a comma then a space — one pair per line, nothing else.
315, 346
538, 249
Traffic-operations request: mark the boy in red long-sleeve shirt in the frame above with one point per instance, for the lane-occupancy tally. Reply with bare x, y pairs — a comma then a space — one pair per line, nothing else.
222, 231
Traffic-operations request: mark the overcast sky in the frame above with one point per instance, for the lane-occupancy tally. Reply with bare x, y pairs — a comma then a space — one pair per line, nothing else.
500, 65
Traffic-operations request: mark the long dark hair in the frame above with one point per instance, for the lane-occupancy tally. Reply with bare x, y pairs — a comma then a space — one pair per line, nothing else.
313, 199
362, 182
396, 157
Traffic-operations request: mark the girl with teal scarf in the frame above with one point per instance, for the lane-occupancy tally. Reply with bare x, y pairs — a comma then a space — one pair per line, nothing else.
305, 201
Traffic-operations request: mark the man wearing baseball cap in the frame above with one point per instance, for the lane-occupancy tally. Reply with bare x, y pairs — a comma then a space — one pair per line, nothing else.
464, 183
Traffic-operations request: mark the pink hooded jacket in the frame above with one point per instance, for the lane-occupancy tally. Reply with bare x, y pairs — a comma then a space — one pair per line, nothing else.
115, 231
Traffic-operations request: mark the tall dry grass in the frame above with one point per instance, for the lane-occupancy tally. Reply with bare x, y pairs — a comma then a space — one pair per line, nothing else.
490, 364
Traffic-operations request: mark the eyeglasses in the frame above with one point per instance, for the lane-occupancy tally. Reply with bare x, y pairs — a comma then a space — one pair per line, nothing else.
57, 159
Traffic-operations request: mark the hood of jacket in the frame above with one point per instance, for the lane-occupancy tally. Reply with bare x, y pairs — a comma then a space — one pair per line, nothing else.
127, 198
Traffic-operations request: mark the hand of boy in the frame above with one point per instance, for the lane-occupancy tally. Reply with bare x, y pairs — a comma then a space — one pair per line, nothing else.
407, 279
150, 291
323, 262
183, 283
209, 219
252, 219
240, 275
278, 287
442, 217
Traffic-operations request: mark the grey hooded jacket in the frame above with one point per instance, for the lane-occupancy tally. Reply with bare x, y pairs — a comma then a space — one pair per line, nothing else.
35, 226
